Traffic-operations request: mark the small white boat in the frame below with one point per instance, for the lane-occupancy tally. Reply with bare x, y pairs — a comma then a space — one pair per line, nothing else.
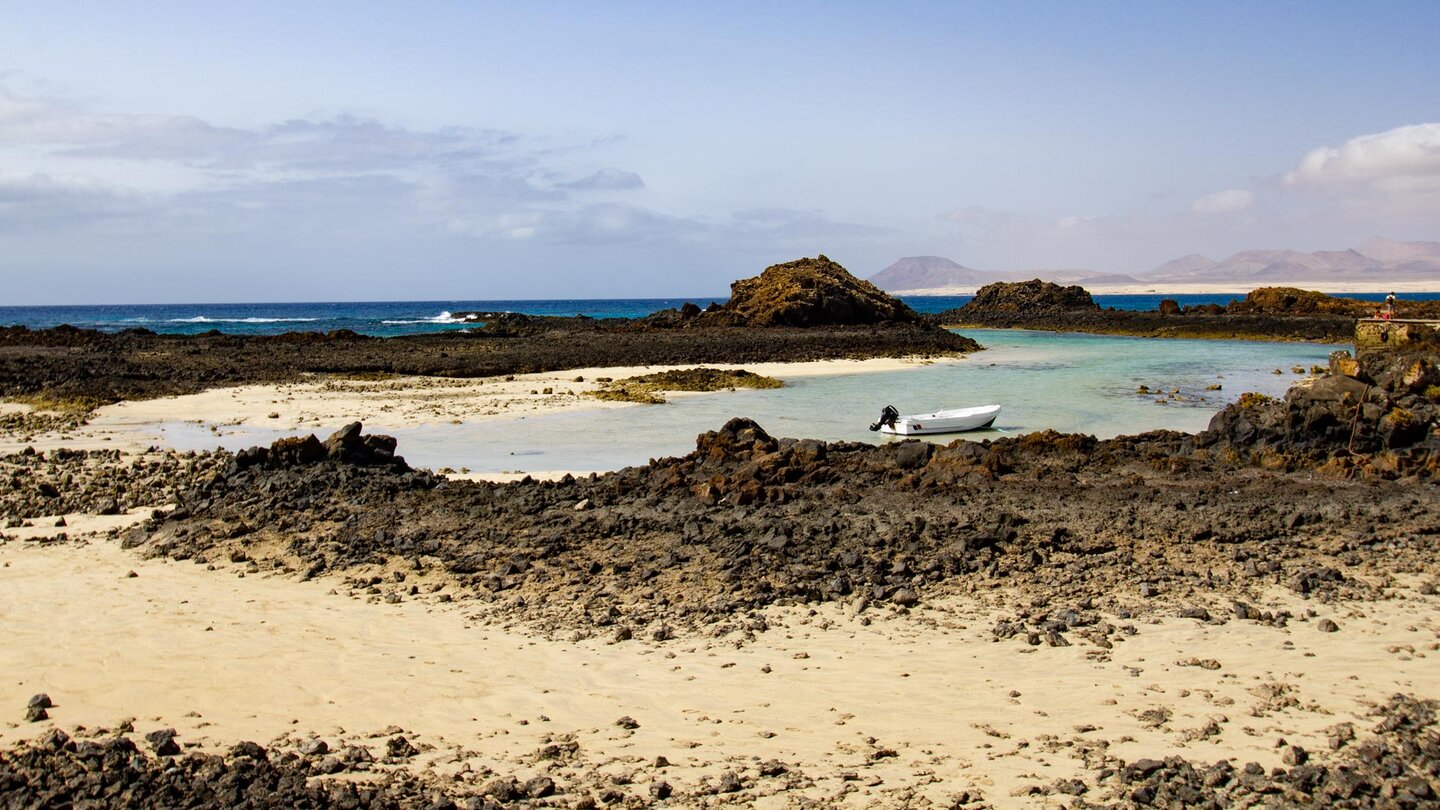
957, 420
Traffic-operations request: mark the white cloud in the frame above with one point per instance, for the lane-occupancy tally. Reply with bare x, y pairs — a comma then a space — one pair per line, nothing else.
1403, 158
1229, 201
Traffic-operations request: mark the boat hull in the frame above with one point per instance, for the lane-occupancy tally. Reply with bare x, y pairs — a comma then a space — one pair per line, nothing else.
956, 421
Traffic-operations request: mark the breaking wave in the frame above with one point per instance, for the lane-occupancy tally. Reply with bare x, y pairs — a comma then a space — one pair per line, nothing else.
203, 319
443, 317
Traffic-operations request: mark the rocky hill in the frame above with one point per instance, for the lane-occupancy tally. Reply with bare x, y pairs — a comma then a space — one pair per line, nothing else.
809, 292
1031, 297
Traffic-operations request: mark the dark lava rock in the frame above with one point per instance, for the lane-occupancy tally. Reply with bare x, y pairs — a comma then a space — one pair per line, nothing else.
1272, 312
251, 750
809, 292
40, 701
1034, 297
729, 782
538, 787
346, 446
1398, 767
162, 742
35, 714
504, 789
1371, 425
398, 747
314, 748
627, 722
103, 773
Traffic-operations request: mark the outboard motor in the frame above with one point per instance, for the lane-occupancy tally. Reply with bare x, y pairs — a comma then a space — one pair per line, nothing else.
889, 416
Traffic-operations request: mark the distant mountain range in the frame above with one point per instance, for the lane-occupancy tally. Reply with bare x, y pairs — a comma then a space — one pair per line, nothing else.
1377, 260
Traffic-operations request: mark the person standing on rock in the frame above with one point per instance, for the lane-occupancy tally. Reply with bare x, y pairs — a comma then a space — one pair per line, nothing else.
1390, 305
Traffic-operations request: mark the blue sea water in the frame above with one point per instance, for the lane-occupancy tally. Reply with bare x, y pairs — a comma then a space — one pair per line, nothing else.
391, 318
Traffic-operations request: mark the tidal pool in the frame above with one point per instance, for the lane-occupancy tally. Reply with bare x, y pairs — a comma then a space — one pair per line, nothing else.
1065, 382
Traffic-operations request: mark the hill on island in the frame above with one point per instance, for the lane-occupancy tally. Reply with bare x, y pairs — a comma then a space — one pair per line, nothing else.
929, 272
809, 292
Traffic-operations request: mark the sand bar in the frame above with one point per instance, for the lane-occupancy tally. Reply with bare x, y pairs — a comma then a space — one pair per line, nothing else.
326, 403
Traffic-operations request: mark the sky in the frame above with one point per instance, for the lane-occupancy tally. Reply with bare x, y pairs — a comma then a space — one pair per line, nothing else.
156, 151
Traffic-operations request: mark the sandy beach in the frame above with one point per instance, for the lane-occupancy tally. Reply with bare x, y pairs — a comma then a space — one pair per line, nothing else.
871, 709
969, 693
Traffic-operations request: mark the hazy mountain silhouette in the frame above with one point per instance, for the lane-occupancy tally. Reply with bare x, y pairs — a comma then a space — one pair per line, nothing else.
928, 272
1377, 258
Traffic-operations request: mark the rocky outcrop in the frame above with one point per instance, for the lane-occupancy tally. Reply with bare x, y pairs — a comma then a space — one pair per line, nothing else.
1271, 313
1293, 301
345, 446
809, 292
1034, 297
1374, 415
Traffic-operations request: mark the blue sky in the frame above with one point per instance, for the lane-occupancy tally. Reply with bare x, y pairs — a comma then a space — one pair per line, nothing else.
280, 151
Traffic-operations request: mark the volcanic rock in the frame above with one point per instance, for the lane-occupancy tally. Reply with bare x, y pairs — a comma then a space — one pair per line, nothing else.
809, 292
1034, 297
162, 741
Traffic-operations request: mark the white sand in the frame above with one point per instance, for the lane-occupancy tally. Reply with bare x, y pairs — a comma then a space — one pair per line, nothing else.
224, 658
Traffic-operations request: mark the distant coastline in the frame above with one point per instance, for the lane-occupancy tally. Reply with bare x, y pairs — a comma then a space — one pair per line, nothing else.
1212, 288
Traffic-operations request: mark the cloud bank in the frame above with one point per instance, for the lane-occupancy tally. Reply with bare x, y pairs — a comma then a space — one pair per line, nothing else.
1400, 159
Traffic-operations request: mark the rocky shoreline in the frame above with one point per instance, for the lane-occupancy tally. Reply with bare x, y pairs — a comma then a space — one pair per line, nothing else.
1267, 313
91, 368
748, 520
808, 309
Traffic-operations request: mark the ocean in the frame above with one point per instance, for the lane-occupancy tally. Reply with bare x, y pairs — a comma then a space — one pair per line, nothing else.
392, 318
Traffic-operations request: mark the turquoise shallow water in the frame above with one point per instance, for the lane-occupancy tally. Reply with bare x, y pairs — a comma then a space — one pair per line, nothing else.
1067, 382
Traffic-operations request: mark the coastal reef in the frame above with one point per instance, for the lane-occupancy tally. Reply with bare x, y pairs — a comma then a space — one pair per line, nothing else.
1267, 313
